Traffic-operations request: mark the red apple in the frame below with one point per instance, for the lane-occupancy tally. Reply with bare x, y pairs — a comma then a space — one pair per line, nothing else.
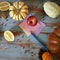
32, 20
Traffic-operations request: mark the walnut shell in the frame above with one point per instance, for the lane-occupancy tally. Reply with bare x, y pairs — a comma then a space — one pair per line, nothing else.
18, 11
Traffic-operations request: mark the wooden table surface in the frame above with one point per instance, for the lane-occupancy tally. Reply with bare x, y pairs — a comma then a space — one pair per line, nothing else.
23, 47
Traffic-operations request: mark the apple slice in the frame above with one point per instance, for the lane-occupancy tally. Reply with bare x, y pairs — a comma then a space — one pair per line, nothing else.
32, 20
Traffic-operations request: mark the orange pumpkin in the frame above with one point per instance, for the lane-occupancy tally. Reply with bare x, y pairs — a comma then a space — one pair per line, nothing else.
54, 48
47, 56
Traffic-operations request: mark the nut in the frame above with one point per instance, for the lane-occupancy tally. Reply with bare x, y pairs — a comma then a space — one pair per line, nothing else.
3, 16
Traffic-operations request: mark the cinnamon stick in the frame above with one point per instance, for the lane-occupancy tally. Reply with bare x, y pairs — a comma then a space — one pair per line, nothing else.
37, 9
45, 32
53, 24
18, 33
14, 32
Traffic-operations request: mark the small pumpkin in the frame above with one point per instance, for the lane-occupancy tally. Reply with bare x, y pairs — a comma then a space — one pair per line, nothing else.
18, 11
51, 9
53, 38
47, 56
54, 48
54, 41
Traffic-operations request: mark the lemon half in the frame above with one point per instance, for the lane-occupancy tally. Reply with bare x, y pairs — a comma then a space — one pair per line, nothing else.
9, 36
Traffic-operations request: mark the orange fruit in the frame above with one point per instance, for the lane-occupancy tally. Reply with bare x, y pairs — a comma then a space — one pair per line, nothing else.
47, 56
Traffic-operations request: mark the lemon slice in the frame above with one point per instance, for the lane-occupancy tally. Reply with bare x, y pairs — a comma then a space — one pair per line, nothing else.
4, 6
9, 36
